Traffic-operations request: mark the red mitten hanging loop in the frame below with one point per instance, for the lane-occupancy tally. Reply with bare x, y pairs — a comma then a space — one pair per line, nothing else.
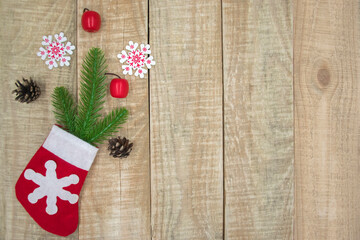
50, 185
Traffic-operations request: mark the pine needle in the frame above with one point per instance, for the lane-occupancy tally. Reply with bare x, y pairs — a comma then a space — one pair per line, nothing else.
83, 120
108, 125
65, 109
92, 91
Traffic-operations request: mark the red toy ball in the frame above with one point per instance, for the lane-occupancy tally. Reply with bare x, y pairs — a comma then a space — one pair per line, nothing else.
119, 88
90, 21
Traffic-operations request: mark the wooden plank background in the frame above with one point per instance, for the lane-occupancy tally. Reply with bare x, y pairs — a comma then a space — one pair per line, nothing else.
246, 128
118, 192
24, 127
258, 103
326, 62
186, 120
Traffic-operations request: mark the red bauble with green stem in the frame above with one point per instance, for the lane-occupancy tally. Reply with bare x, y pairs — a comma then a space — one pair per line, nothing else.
119, 87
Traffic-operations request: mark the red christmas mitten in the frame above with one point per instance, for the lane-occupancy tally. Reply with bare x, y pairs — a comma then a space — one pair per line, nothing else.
50, 185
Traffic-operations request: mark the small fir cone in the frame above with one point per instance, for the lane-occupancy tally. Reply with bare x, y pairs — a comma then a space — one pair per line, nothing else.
120, 147
27, 91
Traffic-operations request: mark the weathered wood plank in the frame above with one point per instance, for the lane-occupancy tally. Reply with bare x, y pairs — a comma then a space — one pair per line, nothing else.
258, 113
186, 120
24, 127
327, 118
115, 203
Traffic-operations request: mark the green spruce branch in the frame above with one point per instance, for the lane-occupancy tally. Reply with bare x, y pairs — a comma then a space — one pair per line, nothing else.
84, 120
65, 108
108, 125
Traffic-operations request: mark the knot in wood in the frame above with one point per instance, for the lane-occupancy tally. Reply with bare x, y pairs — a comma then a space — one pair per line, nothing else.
323, 77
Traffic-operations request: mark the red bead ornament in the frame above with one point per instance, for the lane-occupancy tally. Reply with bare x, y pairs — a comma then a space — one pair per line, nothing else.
90, 21
119, 87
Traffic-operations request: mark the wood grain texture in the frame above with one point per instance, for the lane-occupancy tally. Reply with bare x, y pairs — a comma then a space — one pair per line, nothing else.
327, 117
115, 202
24, 127
186, 120
258, 112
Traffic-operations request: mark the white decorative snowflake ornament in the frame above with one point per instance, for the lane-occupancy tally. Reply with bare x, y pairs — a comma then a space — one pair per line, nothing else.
56, 50
136, 60
51, 187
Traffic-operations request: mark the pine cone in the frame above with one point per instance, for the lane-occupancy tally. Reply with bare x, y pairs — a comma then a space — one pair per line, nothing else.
27, 91
120, 147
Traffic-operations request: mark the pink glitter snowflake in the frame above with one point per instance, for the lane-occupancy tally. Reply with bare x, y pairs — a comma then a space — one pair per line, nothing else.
55, 50
136, 59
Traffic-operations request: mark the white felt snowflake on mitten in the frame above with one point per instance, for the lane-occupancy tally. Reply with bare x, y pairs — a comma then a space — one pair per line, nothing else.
51, 187
136, 60
56, 50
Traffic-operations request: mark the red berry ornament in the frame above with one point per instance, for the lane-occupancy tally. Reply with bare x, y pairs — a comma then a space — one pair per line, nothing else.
119, 88
90, 21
